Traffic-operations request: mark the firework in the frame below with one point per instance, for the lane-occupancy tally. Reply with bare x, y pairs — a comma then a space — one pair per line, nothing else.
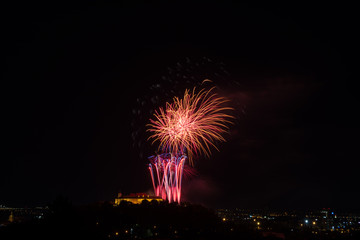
166, 174
190, 125
184, 74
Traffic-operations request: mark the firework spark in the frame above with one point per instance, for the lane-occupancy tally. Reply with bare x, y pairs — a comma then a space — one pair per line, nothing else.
190, 125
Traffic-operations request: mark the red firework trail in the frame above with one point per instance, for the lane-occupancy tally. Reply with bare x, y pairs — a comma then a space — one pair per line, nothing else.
166, 174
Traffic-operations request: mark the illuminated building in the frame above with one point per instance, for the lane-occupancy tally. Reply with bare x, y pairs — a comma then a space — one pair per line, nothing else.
136, 198
11, 217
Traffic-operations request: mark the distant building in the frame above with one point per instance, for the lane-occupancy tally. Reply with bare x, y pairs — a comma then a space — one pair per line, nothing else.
11, 217
136, 198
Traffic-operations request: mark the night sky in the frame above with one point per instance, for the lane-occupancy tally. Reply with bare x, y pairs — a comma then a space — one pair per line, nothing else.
80, 82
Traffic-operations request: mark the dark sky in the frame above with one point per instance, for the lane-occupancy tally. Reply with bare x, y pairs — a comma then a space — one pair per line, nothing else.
75, 76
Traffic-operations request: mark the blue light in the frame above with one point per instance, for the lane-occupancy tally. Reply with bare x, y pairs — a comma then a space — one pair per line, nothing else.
332, 213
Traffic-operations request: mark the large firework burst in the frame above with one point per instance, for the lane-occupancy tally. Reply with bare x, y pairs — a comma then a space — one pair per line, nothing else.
190, 125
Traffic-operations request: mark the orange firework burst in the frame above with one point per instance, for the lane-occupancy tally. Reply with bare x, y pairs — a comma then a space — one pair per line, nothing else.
190, 124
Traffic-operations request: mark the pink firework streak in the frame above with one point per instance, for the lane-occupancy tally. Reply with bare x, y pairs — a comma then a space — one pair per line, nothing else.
166, 174
188, 126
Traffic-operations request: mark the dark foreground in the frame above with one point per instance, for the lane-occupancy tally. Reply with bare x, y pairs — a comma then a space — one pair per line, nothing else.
149, 220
